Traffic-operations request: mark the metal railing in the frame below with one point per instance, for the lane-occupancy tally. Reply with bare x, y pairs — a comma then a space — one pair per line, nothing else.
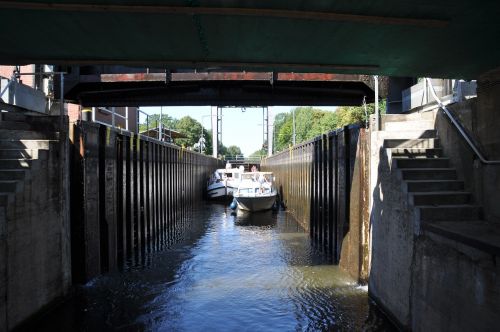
242, 158
470, 141
113, 113
17, 75
159, 136
139, 112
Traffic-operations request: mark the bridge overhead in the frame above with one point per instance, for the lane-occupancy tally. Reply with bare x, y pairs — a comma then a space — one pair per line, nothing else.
117, 86
389, 37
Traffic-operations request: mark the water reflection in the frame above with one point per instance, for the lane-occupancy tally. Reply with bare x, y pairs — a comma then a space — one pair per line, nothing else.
228, 272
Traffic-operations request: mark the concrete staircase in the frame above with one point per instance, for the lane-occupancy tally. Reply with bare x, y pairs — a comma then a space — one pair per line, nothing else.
22, 146
30, 215
442, 204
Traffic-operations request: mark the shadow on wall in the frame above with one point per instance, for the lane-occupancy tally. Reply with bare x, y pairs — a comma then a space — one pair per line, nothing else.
394, 224
392, 242
34, 225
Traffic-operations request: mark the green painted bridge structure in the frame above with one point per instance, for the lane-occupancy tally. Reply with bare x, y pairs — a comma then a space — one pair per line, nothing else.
452, 39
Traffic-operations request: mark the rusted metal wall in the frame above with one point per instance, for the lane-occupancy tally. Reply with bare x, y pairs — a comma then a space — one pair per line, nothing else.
324, 184
129, 195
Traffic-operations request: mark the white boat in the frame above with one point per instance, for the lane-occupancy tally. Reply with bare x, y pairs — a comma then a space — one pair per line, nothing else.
223, 182
256, 191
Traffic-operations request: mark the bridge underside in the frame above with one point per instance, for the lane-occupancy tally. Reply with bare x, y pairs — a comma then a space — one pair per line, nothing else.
448, 39
218, 88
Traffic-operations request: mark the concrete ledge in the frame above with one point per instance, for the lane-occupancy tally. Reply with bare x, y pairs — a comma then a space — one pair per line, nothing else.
478, 234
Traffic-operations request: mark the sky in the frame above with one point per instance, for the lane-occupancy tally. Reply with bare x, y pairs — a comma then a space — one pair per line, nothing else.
240, 128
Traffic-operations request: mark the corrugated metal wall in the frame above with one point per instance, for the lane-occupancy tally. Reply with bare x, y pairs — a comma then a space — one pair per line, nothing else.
317, 181
129, 195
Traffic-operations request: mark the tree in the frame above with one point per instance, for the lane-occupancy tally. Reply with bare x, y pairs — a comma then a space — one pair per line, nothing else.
258, 154
356, 114
311, 122
153, 121
187, 126
191, 128
233, 151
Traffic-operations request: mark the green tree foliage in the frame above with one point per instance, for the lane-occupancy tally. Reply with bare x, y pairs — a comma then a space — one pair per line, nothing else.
311, 122
233, 151
356, 115
191, 128
153, 121
258, 154
187, 126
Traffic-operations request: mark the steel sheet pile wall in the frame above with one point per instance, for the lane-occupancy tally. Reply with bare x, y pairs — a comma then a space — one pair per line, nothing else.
129, 195
324, 184
292, 170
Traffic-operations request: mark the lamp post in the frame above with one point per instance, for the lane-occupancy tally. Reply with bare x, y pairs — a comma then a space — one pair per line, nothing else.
293, 127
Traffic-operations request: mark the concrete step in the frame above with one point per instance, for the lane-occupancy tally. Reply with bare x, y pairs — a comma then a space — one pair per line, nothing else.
478, 234
434, 185
430, 116
416, 153
437, 198
25, 144
15, 163
464, 212
21, 117
36, 122
28, 154
18, 154
12, 174
429, 174
28, 134
421, 162
8, 186
409, 125
13, 125
417, 143
408, 134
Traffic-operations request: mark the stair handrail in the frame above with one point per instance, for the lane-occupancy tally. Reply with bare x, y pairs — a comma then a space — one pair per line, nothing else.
460, 129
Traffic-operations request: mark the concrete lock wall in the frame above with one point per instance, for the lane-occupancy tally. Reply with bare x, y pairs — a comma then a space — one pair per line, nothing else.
35, 261
392, 236
323, 183
128, 193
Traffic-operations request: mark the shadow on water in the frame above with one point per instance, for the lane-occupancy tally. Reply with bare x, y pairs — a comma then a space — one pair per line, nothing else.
258, 219
243, 272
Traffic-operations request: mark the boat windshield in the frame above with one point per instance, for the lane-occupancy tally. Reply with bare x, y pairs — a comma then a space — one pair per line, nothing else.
254, 191
263, 177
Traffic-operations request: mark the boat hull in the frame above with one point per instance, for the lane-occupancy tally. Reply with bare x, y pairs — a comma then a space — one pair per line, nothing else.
219, 192
256, 203
231, 190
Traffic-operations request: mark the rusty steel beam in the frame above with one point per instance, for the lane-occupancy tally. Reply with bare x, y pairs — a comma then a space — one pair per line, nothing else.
322, 77
218, 76
222, 76
217, 11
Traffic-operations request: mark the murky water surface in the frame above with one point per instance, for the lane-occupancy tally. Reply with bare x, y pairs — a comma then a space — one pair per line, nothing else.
243, 272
